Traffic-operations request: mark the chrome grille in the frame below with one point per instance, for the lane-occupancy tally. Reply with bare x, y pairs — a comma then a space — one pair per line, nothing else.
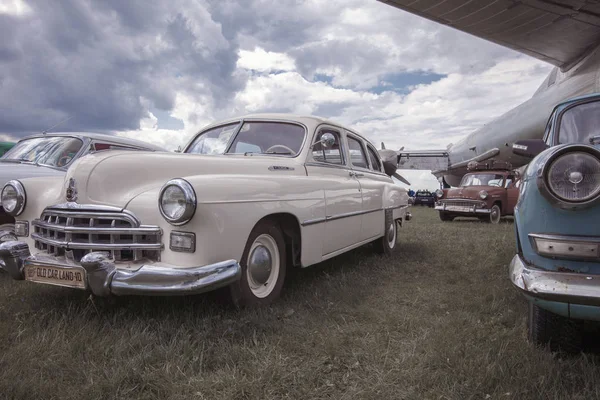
83, 230
462, 203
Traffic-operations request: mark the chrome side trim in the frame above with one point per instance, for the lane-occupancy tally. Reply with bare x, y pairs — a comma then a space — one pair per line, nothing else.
338, 216
565, 287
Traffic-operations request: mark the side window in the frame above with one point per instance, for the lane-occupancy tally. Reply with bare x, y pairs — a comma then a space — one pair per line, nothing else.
509, 180
357, 153
108, 146
330, 155
375, 163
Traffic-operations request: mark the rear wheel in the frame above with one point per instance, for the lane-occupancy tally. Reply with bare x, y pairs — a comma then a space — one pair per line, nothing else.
387, 243
263, 267
444, 216
560, 333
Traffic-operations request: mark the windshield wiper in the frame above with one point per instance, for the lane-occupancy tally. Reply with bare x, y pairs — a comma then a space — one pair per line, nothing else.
281, 153
595, 139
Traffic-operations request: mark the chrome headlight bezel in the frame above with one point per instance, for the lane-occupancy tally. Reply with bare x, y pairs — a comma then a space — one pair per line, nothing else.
542, 176
483, 194
190, 201
21, 198
439, 193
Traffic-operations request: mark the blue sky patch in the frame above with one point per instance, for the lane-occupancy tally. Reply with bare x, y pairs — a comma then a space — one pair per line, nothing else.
165, 121
402, 82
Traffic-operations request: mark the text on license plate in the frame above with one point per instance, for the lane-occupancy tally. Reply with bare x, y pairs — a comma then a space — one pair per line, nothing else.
68, 276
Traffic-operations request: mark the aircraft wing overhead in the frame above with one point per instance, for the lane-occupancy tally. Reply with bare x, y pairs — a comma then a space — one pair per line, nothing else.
560, 32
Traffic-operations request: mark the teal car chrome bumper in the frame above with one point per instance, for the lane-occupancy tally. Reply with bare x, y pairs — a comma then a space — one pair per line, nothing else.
564, 287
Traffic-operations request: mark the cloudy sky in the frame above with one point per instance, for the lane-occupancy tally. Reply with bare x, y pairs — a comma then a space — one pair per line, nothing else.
161, 70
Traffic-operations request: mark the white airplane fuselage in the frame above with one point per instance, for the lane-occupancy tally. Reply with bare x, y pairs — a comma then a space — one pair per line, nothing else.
527, 121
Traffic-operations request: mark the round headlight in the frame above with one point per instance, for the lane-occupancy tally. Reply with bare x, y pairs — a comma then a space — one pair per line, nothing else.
13, 198
574, 177
439, 193
483, 195
177, 201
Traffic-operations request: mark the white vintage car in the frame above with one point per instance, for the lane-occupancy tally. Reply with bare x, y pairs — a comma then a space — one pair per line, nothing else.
249, 199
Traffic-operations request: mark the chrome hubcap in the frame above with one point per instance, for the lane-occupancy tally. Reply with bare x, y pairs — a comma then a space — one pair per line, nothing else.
391, 235
259, 264
263, 265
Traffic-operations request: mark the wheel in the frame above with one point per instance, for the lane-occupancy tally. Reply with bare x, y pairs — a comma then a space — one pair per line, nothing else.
387, 243
263, 267
444, 216
495, 214
547, 328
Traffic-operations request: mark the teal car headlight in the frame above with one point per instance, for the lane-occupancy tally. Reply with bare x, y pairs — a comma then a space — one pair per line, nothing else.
570, 178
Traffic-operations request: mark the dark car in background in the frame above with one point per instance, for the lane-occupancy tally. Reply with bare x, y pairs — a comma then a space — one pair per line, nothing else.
424, 198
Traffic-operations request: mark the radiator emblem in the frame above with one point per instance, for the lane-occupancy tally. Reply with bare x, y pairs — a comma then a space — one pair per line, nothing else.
71, 191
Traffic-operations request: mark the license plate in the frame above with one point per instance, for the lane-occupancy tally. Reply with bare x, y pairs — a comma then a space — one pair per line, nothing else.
73, 277
459, 209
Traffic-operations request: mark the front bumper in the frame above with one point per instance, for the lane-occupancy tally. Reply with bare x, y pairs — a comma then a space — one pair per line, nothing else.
562, 287
462, 209
102, 278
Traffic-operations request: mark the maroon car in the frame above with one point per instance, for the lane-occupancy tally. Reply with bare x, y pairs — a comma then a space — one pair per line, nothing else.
489, 192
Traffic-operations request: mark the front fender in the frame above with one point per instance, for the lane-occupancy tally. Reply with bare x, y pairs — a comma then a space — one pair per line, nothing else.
228, 209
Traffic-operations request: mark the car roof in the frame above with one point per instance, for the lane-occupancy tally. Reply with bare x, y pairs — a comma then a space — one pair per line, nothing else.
100, 136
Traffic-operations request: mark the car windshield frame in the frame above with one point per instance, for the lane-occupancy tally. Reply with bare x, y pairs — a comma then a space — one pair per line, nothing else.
41, 159
573, 108
501, 185
238, 129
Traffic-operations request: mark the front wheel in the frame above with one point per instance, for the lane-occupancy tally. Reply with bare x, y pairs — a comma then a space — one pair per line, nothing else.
263, 267
560, 333
495, 214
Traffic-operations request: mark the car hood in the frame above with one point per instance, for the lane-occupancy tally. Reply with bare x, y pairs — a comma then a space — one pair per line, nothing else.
13, 170
115, 179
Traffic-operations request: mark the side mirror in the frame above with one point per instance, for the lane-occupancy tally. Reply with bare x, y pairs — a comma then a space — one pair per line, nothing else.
327, 140
529, 147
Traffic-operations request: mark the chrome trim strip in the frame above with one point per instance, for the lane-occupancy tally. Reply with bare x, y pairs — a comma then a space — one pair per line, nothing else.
144, 229
96, 246
74, 210
565, 287
338, 216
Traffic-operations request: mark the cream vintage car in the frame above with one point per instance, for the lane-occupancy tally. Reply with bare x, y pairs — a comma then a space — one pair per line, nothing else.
247, 200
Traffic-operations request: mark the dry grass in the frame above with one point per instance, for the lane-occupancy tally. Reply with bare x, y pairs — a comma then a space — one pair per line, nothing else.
439, 320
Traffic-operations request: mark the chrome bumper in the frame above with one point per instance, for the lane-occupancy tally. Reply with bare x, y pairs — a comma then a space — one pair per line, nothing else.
104, 279
564, 287
463, 210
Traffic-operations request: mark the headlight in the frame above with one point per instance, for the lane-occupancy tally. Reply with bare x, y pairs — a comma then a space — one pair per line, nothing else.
574, 177
483, 195
177, 201
439, 193
13, 198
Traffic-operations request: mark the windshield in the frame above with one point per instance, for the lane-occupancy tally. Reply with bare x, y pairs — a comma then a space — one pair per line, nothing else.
482, 180
254, 138
268, 138
50, 151
579, 124
212, 141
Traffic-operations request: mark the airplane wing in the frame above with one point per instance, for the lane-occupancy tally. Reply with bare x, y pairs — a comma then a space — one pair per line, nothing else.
560, 32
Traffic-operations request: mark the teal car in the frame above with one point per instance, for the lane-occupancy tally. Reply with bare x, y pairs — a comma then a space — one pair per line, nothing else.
5, 146
557, 222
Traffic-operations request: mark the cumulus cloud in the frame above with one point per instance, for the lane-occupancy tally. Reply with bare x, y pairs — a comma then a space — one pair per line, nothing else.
123, 66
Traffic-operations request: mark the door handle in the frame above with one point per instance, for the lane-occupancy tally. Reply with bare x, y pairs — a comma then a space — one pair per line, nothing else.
355, 174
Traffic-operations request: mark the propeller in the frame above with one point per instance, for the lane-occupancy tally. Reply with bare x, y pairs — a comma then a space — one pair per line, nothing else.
400, 178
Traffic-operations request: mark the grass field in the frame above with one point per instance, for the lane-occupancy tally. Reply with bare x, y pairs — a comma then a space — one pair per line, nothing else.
438, 320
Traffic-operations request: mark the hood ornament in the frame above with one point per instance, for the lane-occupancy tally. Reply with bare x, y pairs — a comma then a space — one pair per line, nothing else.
71, 191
